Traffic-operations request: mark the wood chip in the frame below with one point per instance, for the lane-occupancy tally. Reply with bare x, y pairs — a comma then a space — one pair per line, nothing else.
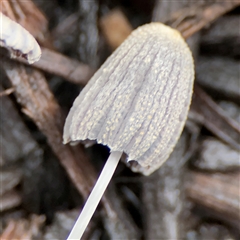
192, 19
6, 92
215, 119
16, 144
218, 193
115, 27
24, 228
10, 178
10, 199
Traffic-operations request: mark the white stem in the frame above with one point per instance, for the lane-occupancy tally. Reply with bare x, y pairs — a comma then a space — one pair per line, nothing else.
95, 196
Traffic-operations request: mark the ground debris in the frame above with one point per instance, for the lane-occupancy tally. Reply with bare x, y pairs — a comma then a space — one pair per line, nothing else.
24, 228
56, 63
214, 72
61, 226
218, 193
210, 231
214, 155
220, 39
10, 178
214, 118
9, 200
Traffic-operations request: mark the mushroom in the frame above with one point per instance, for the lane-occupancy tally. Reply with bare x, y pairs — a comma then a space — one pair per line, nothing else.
18, 40
136, 103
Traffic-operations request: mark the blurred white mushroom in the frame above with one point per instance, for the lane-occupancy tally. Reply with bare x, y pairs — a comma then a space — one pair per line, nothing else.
18, 40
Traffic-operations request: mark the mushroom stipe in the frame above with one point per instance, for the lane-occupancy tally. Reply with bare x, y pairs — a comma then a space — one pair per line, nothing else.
136, 103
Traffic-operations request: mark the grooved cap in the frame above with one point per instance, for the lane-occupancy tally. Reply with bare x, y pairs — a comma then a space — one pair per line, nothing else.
138, 101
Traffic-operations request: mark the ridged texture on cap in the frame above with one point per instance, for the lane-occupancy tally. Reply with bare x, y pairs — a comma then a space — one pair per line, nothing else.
137, 102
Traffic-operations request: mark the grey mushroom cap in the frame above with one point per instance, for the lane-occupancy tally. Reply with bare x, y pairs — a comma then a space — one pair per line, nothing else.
138, 101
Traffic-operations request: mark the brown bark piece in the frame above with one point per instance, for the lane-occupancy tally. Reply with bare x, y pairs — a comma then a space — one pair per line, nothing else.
219, 193
192, 19
115, 27
56, 63
10, 200
24, 228
14, 144
215, 119
10, 178
6, 92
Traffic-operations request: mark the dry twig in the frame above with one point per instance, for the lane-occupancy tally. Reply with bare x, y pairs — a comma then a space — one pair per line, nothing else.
10, 200
6, 92
24, 229
215, 119
56, 63
192, 19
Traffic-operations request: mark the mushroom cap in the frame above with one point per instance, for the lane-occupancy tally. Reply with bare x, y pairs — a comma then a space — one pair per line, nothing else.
18, 40
138, 101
